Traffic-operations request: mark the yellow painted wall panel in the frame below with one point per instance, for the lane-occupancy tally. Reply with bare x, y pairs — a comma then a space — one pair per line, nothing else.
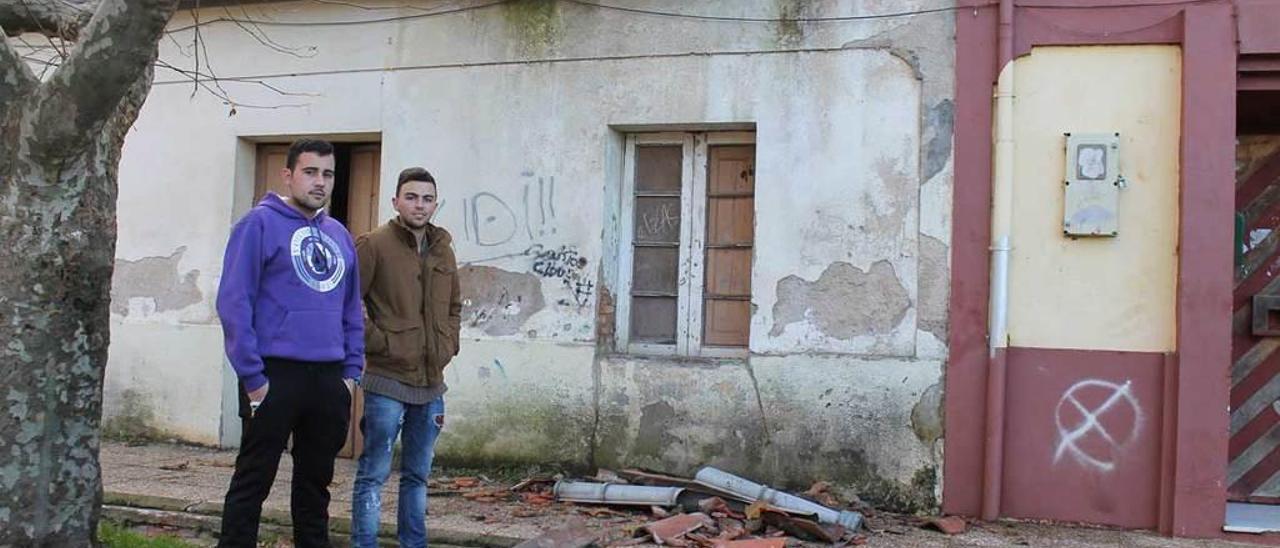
1096, 293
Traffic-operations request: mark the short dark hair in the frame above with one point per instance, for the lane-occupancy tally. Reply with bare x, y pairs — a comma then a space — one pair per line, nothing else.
412, 174
319, 146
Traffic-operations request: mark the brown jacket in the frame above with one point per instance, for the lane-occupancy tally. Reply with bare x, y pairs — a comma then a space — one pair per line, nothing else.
413, 306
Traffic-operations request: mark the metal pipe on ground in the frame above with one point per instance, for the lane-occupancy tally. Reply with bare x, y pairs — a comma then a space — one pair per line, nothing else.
612, 493
751, 491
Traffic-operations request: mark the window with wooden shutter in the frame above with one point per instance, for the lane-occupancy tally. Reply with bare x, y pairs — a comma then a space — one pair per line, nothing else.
689, 216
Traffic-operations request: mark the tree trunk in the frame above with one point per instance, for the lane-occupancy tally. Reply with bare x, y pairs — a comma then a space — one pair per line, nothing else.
60, 146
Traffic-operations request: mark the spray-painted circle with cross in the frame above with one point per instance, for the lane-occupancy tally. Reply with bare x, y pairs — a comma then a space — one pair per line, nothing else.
1097, 422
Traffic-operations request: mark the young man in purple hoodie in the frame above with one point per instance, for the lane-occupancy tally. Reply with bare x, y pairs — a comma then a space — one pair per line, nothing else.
291, 315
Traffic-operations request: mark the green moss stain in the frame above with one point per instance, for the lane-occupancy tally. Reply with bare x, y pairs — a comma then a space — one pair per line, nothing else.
853, 475
612, 439
536, 24
789, 31
664, 438
134, 422
517, 431
914, 498
656, 421
521, 434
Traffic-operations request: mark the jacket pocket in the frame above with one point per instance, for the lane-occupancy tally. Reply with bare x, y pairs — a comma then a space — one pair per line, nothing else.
446, 347
375, 340
405, 340
308, 335
442, 285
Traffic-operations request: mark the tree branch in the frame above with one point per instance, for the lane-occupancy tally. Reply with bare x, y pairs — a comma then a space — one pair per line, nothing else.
55, 18
16, 78
127, 111
114, 52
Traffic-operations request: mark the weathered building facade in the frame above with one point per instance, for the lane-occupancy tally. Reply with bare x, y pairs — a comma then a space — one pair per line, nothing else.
720, 238
725, 233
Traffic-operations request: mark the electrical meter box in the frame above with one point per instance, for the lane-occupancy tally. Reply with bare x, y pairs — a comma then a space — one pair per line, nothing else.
1092, 186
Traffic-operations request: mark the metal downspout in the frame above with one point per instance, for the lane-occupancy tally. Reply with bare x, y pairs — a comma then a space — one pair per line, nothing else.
1001, 229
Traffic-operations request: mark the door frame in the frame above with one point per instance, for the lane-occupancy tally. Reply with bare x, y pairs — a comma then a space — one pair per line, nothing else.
243, 194
1193, 447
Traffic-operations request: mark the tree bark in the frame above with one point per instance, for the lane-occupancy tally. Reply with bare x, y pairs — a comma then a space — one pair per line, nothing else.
60, 145
60, 18
16, 79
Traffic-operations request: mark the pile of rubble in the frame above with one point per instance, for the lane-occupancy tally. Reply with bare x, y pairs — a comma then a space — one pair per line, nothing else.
714, 509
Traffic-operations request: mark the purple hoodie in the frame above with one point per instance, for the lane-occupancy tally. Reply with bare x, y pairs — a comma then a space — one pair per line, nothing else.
290, 289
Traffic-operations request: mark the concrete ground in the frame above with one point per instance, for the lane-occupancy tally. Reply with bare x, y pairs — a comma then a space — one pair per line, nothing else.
172, 488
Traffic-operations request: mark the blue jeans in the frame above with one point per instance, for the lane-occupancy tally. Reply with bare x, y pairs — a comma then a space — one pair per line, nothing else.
419, 425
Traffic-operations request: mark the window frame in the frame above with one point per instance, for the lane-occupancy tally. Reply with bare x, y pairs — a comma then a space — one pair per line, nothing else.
691, 287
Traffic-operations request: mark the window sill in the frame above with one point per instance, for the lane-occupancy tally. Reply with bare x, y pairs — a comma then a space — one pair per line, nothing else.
733, 357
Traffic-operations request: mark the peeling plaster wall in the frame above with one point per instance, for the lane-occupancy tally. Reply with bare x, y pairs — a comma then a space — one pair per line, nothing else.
156, 282
882, 301
777, 418
515, 110
499, 302
163, 372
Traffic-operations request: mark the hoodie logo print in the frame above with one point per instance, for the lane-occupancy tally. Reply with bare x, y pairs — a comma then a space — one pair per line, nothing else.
316, 259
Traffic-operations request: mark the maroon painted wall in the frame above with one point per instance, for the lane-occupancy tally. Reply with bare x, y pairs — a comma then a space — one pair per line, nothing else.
1174, 469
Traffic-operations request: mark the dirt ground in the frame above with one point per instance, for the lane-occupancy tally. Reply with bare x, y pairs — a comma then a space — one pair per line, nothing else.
469, 507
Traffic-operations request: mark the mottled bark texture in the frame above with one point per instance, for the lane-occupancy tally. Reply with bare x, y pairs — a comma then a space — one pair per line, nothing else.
60, 144
61, 18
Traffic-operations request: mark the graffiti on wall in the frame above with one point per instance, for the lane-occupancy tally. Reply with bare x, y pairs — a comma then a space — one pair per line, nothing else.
567, 265
518, 225
501, 301
1097, 422
490, 220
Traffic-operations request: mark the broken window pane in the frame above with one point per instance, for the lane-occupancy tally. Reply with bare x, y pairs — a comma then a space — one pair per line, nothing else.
656, 270
657, 220
653, 320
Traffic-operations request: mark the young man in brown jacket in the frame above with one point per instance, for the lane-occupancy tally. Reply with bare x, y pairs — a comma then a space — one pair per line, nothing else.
409, 281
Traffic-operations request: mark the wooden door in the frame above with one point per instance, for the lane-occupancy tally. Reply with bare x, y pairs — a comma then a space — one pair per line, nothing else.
271, 161
362, 217
731, 177
362, 201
